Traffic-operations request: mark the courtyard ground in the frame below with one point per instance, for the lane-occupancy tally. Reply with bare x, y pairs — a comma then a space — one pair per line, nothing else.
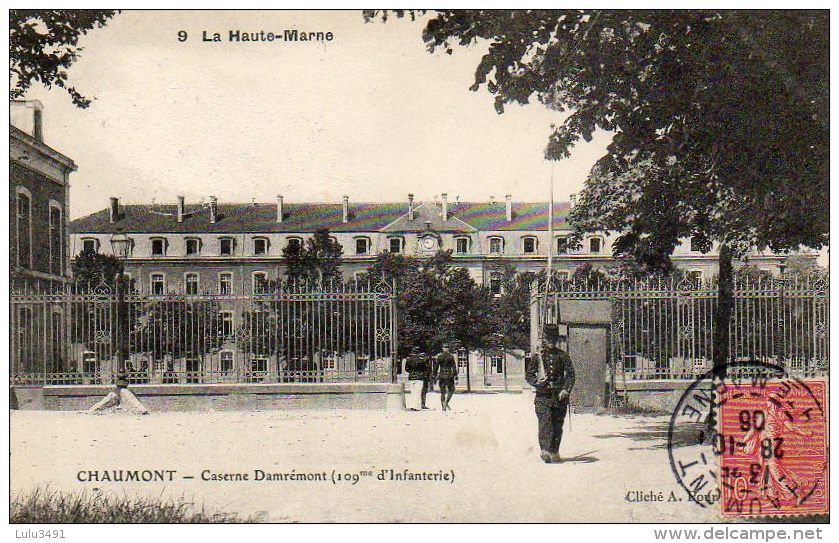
488, 441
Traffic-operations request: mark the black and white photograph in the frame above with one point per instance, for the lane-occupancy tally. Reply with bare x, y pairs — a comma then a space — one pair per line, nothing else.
516, 266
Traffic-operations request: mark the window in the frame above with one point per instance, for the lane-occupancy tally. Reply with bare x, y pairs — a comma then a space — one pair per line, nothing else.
260, 246
260, 282
294, 243
226, 323
158, 247
563, 275
226, 361
259, 369
157, 284
529, 245
562, 245
395, 245
462, 246
595, 245
496, 363
24, 228
362, 246
225, 283
90, 245
191, 283
193, 246
56, 235
496, 245
495, 283
226, 246
462, 360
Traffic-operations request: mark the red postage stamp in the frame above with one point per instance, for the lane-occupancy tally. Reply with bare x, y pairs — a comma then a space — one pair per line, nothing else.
773, 448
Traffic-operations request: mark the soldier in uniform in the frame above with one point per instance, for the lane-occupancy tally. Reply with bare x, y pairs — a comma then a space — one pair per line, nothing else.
552, 375
418, 374
445, 373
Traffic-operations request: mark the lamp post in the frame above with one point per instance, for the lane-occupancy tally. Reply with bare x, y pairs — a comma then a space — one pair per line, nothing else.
121, 245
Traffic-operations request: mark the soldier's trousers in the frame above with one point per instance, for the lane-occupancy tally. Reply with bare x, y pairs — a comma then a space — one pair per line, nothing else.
446, 391
551, 416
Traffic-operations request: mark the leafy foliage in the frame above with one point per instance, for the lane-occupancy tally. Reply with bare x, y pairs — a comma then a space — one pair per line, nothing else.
318, 260
91, 269
43, 44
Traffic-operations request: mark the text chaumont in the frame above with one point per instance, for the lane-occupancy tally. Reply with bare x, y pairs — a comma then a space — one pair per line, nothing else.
288, 35
126, 475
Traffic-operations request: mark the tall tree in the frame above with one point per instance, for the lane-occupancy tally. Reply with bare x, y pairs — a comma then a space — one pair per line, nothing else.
720, 121
319, 260
43, 44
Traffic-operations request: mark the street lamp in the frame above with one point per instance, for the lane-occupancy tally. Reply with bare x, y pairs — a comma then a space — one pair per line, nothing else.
121, 246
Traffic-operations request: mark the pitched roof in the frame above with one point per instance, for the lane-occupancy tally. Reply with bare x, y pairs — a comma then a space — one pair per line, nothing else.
310, 217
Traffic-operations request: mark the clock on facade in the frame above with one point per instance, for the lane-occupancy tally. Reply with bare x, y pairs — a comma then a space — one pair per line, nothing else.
428, 244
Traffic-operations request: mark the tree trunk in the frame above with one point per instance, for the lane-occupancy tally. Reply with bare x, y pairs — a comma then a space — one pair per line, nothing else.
722, 316
722, 320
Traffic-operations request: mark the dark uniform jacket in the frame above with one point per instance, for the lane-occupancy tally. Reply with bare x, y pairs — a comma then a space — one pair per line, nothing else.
446, 368
419, 368
558, 369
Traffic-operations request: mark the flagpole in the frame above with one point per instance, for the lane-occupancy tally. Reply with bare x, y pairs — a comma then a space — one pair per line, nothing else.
550, 266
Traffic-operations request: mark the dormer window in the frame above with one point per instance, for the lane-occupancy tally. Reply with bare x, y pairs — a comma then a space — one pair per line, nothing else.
362, 246
226, 246
193, 246
529, 245
462, 246
294, 243
595, 245
396, 245
562, 245
90, 245
260, 246
158, 247
496, 245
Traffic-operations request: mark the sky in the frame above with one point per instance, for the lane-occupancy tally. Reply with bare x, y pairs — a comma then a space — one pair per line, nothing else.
370, 114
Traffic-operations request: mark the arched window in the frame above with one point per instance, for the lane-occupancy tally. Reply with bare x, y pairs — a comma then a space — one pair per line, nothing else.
56, 238
529, 245
23, 220
362, 245
260, 246
496, 245
562, 245
461, 246
595, 245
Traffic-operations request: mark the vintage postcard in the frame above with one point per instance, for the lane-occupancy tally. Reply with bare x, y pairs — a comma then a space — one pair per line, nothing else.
458, 266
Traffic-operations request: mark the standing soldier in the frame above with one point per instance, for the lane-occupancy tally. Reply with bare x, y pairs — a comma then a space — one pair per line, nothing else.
417, 367
552, 375
445, 373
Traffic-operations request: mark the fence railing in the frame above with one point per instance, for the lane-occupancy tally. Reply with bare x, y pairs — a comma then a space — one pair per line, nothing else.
289, 333
664, 329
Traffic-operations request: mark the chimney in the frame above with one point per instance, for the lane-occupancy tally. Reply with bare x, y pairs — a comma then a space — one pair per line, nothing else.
509, 200
279, 208
38, 122
213, 209
573, 199
346, 213
180, 209
445, 198
114, 209
410, 207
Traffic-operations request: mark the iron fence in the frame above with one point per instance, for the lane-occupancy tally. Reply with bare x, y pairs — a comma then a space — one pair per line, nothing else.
664, 329
292, 332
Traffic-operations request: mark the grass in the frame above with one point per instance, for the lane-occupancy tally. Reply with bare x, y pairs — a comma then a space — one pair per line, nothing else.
42, 506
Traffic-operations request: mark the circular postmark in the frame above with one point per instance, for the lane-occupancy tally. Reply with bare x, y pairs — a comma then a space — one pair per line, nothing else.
753, 439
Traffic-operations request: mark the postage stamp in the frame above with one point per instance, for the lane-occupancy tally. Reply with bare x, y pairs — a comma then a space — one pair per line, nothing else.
753, 441
773, 448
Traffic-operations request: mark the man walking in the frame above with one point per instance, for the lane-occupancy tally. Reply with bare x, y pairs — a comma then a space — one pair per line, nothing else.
445, 373
418, 374
552, 375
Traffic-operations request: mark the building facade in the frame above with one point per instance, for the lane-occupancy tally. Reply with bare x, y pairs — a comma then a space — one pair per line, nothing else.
219, 248
233, 249
38, 203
